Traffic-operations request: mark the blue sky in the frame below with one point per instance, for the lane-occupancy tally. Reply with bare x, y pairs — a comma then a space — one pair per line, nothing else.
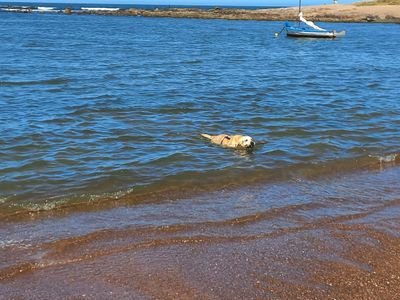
196, 2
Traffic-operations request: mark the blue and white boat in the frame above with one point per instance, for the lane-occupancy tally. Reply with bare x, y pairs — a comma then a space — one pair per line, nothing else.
308, 29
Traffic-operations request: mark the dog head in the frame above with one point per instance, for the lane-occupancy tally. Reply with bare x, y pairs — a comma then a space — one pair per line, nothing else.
247, 142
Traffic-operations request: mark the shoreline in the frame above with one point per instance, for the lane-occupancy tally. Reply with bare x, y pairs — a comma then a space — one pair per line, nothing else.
354, 13
213, 247
178, 187
322, 13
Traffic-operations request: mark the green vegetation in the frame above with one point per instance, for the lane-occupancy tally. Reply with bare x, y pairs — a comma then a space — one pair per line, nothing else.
379, 2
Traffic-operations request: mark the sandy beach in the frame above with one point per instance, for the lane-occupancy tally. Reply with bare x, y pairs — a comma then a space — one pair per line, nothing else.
352, 13
294, 252
330, 258
322, 260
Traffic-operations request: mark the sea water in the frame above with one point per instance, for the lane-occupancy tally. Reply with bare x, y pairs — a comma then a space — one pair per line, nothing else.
94, 107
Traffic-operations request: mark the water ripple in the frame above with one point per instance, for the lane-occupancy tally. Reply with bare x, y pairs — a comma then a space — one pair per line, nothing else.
53, 81
106, 113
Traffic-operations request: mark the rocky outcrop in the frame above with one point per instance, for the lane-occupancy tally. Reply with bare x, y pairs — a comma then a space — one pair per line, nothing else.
325, 13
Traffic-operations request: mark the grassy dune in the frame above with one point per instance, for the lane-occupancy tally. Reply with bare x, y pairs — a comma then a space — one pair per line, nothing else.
378, 2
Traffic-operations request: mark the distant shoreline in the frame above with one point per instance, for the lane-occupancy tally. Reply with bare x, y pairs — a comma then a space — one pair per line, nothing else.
323, 13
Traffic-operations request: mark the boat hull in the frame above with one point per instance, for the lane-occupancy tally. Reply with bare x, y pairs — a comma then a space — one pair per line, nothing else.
309, 33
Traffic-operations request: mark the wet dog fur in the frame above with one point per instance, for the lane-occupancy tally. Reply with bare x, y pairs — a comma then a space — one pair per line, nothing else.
231, 141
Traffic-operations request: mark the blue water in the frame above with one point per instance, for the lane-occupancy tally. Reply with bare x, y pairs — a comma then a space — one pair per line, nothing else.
94, 107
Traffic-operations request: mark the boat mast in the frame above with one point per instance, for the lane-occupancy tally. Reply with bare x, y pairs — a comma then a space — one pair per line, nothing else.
299, 11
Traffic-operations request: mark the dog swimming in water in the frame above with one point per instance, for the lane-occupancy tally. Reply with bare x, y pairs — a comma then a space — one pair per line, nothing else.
231, 141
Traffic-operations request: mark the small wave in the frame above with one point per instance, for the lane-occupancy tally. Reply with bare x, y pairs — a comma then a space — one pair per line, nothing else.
14, 244
387, 159
3, 200
176, 110
17, 9
188, 183
54, 81
322, 146
300, 132
276, 152
45, 8
374, 85
194, 61
168, 159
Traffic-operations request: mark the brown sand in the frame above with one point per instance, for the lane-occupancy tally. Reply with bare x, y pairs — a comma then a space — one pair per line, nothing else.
349, 12
327, 259
344, 245
333, 262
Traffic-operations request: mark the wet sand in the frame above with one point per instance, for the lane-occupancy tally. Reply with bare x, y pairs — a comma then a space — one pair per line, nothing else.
340, 241
320, 260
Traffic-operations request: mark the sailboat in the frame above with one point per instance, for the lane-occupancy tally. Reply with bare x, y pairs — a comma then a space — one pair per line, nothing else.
308, 29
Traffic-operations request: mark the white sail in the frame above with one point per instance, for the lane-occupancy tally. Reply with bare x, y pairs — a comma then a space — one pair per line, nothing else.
309, 23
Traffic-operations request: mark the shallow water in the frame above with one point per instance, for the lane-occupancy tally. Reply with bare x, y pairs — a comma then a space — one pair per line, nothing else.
96, 107
335, 237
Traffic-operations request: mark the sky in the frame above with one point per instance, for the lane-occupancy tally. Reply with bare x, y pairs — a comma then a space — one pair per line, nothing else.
195, 2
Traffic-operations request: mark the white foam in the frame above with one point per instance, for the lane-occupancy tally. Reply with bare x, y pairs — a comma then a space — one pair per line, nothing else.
390, 158
22, 9
45, 8
3, 200
14, 243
